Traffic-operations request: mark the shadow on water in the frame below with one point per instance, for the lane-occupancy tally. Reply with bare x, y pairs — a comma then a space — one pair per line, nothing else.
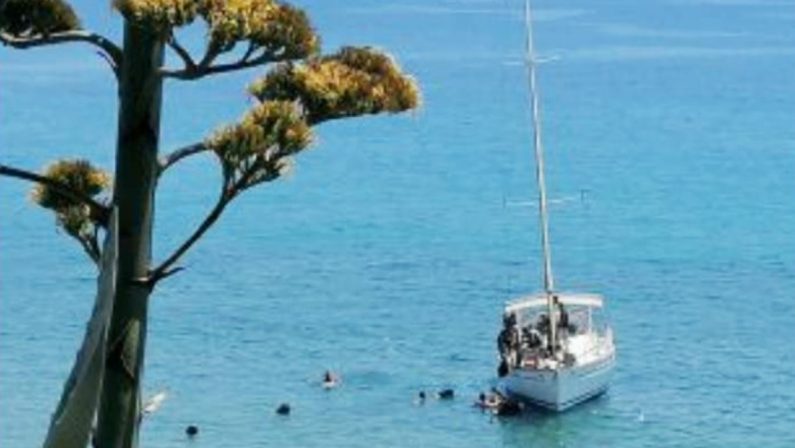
544, 428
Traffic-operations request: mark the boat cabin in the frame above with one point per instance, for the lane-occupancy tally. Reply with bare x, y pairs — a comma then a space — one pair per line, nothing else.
525, 339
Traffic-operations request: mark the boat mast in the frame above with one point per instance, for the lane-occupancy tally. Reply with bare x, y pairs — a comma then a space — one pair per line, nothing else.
549, 282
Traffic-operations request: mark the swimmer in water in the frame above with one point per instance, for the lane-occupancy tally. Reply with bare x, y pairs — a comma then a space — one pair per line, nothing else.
330, 380
445, 394
192, 430
490, 401
283, 409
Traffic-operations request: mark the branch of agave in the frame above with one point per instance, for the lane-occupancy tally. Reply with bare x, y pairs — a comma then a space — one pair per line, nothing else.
170, 159
183, 53
164, 269
206, 68
99, 212
229, 191
108, 48
89, 245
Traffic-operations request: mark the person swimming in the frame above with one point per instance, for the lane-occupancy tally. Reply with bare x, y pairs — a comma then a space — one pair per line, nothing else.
330, 380
445, 394
489, 401
420, 400
283, 409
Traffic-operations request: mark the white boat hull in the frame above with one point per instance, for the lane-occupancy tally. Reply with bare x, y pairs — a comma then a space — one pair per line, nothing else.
561, 388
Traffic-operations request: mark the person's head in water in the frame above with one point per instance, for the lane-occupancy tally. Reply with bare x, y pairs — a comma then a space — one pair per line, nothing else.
191, 430
445, 394
328, 377
482, 397
283, 409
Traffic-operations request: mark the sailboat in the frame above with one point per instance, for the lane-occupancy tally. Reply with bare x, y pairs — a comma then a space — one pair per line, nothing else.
556, 348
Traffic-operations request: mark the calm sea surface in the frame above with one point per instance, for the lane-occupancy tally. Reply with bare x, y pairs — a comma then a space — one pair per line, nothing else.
670, 129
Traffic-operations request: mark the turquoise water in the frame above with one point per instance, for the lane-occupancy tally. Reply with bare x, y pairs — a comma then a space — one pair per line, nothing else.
387, 255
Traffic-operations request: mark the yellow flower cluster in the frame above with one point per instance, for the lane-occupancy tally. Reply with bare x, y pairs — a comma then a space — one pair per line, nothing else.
160, 15
353, 82
78, 176
265, 136
277, 27
76, 220
33, 17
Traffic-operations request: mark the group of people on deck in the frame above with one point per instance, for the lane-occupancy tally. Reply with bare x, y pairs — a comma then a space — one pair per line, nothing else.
515, 343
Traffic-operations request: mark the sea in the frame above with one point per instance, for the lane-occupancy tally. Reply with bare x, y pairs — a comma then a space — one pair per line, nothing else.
389, 251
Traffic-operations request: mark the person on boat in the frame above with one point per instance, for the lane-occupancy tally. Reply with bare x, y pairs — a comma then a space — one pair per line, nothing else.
503, 369
531, 337
543, 324
563, 316
508, 341
543, 327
